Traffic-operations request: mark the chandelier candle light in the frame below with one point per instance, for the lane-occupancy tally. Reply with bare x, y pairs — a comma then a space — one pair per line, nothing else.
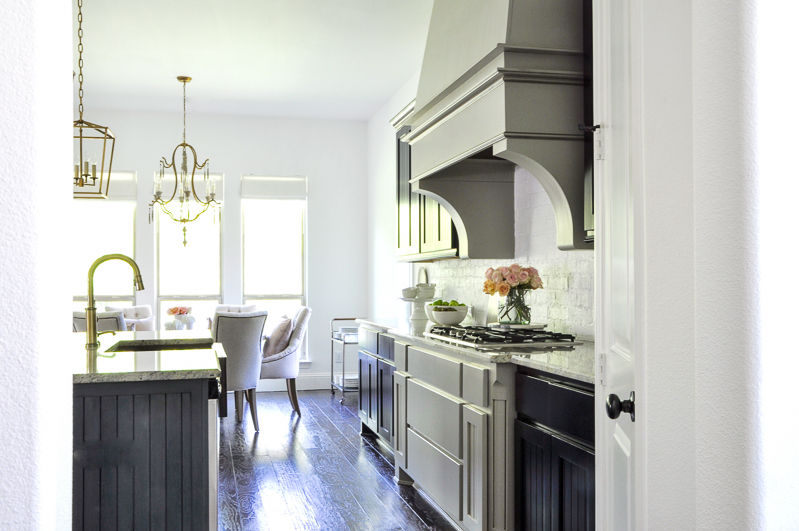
513, 284
184, 187
88, 139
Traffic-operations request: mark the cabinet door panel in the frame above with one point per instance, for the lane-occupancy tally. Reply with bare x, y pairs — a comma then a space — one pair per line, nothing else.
408, 203
533, 466
572, 486
400, 425
363, 386
475, 469
374, 402
385, 395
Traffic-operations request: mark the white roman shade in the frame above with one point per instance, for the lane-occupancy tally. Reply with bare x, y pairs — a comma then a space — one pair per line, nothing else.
259, 187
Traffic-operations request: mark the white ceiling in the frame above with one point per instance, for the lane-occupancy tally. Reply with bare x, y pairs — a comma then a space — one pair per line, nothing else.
338, 59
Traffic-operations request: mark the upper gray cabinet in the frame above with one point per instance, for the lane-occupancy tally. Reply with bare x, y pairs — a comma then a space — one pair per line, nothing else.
424, 228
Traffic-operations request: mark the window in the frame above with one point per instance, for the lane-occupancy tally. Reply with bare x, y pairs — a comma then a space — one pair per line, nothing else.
274, 255
189, 275
100, 227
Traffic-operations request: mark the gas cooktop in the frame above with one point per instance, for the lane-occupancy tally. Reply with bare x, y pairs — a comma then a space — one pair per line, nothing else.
490, 338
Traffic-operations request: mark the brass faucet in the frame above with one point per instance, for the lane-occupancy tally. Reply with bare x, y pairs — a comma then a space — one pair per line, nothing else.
91, 312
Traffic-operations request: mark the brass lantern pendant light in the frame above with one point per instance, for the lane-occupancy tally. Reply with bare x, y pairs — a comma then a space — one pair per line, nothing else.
90, 142
184, 188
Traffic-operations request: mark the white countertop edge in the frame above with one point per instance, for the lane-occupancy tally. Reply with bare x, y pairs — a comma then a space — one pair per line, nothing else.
146, 376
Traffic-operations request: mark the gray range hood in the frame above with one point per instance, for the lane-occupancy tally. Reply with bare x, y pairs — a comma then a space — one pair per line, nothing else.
503, 83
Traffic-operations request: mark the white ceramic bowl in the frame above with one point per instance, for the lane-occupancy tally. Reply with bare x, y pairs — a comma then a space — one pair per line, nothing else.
449, 318
427, 292
410, 293
428, 310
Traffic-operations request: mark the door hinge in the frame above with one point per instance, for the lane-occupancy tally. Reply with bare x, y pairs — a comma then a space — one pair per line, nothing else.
599, 143
601, 367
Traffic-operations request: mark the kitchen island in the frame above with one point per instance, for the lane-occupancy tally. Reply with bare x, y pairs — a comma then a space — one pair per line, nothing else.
145, 432
454, 417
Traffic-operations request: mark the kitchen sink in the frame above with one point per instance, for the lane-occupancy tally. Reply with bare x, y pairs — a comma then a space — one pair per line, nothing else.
136, 345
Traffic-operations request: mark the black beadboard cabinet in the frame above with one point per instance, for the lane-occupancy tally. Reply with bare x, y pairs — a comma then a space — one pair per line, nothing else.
141, 455
554, 453
376, 384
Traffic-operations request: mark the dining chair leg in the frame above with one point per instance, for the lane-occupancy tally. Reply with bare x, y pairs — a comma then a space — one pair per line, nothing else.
291, 385
253, 408
239, 399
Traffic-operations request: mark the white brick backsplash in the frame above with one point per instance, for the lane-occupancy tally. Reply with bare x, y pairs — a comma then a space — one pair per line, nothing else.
566, 303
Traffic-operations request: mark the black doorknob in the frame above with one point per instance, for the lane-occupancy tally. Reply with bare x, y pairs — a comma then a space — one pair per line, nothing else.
615, 406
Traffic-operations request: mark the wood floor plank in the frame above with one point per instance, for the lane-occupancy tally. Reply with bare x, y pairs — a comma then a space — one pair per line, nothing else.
314, 472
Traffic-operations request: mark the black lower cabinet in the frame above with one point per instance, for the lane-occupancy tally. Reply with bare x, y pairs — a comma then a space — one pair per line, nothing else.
375, 395
554, 454
141, 455
385, 393
367, 389
554, 482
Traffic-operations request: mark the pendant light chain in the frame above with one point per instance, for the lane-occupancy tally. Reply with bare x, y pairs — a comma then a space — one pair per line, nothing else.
184, 112
80, 58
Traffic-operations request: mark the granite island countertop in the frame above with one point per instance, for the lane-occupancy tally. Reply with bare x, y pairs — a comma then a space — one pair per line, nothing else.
146, 365
575, 362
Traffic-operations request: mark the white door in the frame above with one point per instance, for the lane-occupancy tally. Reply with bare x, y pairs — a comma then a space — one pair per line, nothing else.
617, 112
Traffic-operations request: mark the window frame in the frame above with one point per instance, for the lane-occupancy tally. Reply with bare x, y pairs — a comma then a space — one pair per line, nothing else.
303, 296
115, 199
159, 296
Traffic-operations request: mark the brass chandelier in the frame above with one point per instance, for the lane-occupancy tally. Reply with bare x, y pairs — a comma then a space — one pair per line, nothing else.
89, 141
184, 188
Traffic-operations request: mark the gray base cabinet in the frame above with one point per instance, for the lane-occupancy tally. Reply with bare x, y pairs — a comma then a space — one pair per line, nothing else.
451, 436
143, 454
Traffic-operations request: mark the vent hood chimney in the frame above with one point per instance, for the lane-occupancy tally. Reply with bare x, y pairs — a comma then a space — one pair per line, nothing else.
504, 83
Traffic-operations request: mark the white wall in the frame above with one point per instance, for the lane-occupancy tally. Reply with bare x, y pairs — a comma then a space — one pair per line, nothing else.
387, 277
35, 151
565, 304
330, 153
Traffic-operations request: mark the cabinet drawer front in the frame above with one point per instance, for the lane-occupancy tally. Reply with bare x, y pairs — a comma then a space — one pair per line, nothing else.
475, 384
436, 416
438, 474
532, 398
572, 412
438, 371
385, 347
401, 356
367, 340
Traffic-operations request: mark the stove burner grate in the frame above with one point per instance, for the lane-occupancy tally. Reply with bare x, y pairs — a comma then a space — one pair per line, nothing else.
483, 335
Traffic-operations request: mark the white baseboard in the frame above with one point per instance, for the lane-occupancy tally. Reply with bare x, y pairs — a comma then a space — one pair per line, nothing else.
305, 382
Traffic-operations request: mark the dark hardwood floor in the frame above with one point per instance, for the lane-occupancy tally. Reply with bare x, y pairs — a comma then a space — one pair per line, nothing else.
313, 472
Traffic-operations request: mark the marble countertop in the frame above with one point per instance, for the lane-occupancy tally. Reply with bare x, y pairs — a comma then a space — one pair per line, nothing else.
575, 362
146, 365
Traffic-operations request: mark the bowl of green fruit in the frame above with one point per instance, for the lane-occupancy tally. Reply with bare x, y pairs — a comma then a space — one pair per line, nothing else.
446, 313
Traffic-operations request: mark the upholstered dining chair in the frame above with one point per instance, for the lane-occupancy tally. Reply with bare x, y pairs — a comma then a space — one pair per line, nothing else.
136, 317
282, 356
240, 335
114, 321
231, 308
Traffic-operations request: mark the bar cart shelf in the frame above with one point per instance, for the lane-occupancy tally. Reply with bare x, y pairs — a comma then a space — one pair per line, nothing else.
342, 339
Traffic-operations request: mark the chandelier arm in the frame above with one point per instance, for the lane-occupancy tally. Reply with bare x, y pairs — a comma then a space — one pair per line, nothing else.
175, 171
168, 213
186, 220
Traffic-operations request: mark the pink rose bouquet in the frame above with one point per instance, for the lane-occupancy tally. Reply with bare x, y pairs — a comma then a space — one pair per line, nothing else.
178, 310
512, 283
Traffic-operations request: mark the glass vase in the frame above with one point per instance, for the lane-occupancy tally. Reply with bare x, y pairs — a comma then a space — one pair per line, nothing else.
515, 307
